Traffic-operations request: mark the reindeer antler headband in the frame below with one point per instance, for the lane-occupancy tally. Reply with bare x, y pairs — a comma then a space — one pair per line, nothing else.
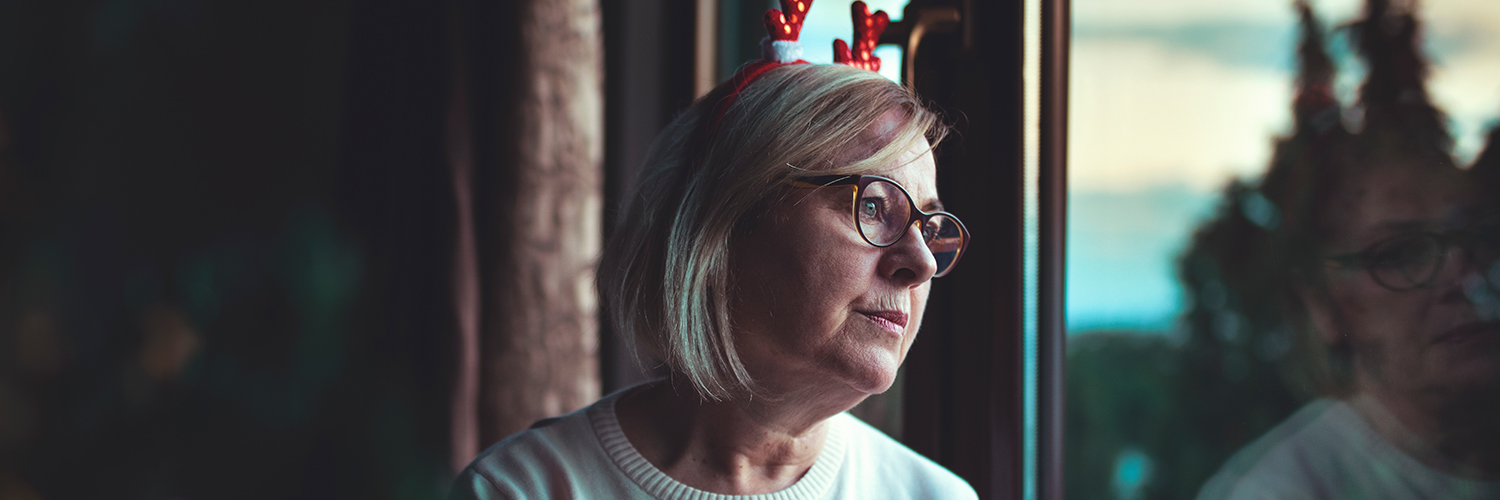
781, 48
867, 30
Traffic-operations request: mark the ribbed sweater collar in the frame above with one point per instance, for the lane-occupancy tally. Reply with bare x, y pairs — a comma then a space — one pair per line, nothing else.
813, 485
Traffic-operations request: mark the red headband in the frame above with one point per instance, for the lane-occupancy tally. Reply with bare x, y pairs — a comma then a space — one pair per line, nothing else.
781, 48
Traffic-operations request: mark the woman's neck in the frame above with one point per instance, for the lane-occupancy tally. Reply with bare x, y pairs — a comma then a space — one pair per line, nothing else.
734, 447
1457, 438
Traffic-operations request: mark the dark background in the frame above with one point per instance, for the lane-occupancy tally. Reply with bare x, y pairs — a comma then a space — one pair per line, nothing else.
208, 210
227, 231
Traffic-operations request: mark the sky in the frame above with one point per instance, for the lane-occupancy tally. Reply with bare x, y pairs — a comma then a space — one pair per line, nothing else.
830, 19
1171, 99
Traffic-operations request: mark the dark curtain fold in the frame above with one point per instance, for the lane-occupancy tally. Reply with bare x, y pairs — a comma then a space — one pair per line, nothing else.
533, 89
287, 249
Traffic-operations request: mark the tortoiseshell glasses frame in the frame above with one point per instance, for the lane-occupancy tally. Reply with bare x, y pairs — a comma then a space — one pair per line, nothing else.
884, 220
1414, 260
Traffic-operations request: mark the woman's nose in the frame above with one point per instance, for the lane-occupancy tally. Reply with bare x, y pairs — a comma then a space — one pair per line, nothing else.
1464, 272
909, 262
1461, 261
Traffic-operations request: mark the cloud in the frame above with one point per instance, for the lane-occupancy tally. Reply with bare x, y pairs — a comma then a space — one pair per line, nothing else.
1178, 12
1232, 43
1466, 82
1143, 114
1169, 99
1173, 93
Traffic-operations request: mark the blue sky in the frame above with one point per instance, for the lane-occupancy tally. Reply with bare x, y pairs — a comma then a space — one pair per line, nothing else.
830, 19
1171, 99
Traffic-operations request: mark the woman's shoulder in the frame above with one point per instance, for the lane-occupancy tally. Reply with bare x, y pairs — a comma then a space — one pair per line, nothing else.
556, 457
524, 464
1283, 462
1327, 450
890, 469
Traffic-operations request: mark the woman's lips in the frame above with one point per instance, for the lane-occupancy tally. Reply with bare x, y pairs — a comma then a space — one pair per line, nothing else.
1469, 333
891, 321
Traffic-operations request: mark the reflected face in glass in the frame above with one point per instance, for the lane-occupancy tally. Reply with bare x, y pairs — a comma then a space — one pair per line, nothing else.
815, 303
1413, 326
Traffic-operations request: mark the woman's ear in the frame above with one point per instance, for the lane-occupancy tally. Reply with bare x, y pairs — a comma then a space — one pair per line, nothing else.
1323, 313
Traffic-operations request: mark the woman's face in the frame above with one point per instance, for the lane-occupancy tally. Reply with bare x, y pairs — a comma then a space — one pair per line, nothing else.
813, 303
1428, 341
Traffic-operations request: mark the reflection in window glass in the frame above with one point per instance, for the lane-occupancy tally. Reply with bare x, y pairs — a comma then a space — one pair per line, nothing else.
1282, 246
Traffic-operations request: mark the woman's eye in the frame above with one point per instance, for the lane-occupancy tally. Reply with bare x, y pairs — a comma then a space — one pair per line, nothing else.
870, 208
1411, 252
1393, 257
1386, 259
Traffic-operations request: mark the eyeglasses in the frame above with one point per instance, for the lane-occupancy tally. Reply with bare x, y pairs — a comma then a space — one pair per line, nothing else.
883, 211
1412, 261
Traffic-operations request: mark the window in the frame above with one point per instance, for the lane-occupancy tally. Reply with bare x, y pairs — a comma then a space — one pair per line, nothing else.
1187, 340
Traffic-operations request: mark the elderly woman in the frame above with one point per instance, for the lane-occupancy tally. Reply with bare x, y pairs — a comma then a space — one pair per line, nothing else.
1401, 305
777, 260
1391, 252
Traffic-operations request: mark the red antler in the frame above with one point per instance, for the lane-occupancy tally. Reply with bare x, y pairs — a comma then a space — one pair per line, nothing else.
786, 24
867, 30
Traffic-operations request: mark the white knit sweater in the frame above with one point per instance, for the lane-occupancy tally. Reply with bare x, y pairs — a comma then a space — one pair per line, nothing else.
584, 454
1327, 451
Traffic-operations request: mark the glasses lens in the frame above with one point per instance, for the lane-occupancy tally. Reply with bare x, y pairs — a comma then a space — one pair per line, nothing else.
945, 239
1486, 243
883, 211
1407, 262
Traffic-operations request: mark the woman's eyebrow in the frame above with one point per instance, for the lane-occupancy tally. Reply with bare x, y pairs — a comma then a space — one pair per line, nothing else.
1391, 227
1402, 226
934, 206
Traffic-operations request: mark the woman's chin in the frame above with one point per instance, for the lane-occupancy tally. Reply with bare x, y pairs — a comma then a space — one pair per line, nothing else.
875, 376
881, 386
857, 371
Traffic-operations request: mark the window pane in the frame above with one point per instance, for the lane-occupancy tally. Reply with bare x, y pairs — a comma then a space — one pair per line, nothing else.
1247, 277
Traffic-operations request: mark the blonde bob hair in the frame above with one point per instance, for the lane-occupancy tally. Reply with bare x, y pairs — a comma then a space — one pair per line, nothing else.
665, 273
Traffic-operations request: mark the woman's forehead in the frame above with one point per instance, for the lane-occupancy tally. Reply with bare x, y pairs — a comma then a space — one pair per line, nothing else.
871, 140
914, 167
1389, 201
916, 170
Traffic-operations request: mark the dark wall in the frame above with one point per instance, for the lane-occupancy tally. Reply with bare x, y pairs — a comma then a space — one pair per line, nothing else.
648, 80
222, 249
